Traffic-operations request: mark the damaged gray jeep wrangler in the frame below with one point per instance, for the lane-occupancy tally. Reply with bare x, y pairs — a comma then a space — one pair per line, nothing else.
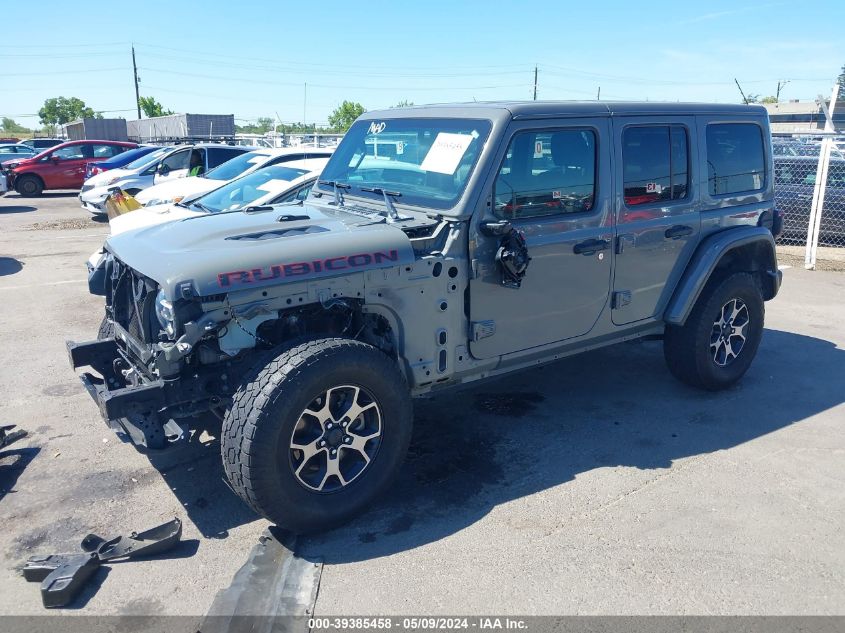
443, 245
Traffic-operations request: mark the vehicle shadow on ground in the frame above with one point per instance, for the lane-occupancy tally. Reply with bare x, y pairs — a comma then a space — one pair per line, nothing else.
193, 471
479, 448
10, 266
17, 208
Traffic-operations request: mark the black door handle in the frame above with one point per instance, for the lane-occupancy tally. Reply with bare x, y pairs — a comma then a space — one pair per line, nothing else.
590, 246
677, 231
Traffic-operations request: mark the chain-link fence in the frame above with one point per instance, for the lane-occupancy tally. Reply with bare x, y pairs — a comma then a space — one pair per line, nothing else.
810, 192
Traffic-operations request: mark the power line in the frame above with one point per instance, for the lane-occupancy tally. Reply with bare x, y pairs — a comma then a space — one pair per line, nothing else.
330, 86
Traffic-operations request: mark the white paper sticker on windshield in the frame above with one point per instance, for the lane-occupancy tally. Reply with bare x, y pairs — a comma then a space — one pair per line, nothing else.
275, 185
446, 153
257, 159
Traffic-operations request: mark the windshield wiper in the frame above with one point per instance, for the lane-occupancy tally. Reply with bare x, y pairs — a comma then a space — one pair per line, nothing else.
200, 205
337, 186
392, 213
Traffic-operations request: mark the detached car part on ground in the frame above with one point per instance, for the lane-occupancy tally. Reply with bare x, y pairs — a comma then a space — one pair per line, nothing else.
442, 246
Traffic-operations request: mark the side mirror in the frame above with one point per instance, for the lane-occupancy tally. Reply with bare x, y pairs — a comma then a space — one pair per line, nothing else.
163, 169
54, 158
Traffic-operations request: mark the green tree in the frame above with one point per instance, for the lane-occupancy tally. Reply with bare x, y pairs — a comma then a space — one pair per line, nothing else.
403, 104
152, 108
770, 99
9, 125
841, 81
345, 114
61, 110
264, 124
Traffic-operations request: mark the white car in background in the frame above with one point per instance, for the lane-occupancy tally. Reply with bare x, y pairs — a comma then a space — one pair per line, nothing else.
274, 184
242, 165
169, 163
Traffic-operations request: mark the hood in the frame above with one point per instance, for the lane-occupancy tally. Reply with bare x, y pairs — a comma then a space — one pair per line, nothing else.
179, 188
226, 252
149, 216
17, 162
100, 180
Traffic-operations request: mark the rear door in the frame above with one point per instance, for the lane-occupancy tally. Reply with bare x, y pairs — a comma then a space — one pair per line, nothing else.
657, 214
553, 185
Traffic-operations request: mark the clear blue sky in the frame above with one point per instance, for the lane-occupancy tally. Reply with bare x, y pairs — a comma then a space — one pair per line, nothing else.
253, 58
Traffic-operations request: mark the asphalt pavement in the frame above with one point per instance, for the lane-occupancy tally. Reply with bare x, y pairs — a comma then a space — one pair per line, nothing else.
597, 485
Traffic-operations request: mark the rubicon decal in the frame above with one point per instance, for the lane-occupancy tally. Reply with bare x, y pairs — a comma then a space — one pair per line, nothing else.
307, 269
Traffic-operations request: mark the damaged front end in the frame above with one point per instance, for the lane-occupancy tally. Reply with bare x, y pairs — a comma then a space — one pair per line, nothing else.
145, 379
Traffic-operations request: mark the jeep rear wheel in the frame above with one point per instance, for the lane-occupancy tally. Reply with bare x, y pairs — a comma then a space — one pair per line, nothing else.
29, 186
314, 436
716, 345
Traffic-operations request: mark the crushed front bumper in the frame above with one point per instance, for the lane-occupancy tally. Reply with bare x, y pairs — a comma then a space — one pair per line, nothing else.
133, 409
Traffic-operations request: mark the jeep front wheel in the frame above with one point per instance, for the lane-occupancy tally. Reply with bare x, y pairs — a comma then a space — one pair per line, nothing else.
716, 345
313, 437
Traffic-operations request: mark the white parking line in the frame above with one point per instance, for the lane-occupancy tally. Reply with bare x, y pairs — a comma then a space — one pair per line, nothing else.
784, 266
49, 283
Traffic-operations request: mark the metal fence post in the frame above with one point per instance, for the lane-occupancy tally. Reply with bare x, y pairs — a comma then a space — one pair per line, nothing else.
820, 185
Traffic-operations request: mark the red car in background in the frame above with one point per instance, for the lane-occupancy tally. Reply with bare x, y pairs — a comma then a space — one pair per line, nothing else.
60, 167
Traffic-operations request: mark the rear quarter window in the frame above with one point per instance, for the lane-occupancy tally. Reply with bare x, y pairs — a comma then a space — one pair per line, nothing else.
735, 158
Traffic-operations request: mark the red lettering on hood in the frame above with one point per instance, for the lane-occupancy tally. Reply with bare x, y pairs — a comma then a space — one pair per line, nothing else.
301, 269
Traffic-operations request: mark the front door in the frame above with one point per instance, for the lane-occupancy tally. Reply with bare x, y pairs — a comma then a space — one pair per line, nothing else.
67, 167
174, 166
658, 220
553, 185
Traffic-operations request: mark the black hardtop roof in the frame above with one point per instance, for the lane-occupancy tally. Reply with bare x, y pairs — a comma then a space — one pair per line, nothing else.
549, 109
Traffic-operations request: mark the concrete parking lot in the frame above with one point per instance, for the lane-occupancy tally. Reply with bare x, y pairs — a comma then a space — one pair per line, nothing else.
597, 485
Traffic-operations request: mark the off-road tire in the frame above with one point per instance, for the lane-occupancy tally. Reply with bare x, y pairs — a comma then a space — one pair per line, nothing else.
257, 430
29, 186
687, 348
106, 329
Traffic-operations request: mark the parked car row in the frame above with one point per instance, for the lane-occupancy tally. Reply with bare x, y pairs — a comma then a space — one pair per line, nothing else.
59, 167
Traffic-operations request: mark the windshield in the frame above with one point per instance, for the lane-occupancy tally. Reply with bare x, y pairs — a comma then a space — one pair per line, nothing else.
147, 159
241, 193
238, 165
427, 161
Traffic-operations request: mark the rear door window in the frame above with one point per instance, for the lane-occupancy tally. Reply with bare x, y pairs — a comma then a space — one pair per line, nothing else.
655, 163
735, 158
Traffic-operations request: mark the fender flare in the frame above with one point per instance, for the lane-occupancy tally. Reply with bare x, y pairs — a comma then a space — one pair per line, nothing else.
712, 250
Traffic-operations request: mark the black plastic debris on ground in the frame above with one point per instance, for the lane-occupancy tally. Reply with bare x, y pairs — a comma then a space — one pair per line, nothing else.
62, 576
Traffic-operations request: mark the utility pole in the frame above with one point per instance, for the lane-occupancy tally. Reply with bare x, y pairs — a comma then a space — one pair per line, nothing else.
535, 82
304, 102
135, 74
781, 84
740, 91
598, 94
